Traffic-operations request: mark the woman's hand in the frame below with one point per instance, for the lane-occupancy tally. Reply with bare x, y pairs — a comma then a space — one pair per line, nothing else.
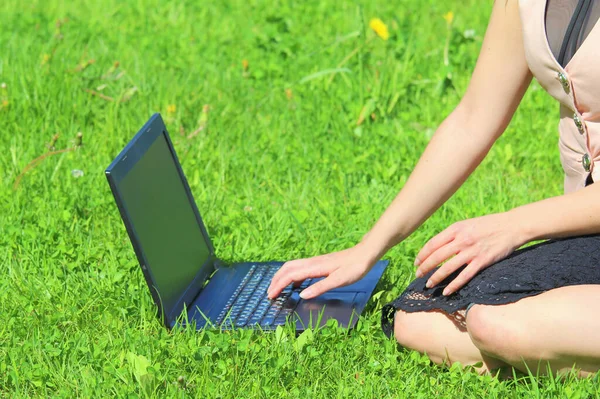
477, 242
340, 269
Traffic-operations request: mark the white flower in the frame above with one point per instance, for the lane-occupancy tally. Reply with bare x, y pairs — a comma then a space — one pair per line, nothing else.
469, 34
76, 173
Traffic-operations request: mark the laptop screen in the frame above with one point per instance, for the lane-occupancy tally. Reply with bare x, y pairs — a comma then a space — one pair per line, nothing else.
164, 222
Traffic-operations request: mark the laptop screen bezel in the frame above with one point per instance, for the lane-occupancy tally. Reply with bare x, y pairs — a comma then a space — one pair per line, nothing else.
118, 169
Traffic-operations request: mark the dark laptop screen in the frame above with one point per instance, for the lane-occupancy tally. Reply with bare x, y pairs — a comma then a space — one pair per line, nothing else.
164, 222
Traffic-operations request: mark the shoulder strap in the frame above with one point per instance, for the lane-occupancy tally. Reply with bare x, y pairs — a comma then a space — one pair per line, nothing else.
573, 31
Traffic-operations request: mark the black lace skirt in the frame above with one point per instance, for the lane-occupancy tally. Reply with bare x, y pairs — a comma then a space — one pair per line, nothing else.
526, 272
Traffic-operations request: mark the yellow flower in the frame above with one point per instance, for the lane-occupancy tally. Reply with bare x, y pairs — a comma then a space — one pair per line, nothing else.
449, 17
171, 108
4, 103
45, 59
380, 28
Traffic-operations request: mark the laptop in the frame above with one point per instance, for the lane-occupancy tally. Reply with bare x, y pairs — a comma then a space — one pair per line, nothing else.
189, 284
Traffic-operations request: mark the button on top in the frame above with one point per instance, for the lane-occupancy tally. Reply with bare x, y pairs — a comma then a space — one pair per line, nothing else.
585, 161
562, 78
578, 123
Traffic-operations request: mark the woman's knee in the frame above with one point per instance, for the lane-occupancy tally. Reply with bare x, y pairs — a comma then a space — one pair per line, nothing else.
436, 335
420, 331
495, 335
405, 329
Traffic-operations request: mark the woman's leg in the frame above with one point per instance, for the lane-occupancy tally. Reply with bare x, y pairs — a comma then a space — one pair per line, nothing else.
559, 328
441, 339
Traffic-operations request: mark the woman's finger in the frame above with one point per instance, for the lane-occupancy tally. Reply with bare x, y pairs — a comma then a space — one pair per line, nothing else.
465, 276
284, 273
285, 269
292, 265
432, 245
334, 280
441, 254
295, 274
448, 268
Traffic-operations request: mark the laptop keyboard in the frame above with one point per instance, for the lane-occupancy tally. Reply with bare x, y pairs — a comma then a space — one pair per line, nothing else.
249, 304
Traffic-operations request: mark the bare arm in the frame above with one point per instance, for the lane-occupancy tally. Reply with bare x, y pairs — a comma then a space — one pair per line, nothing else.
499, 81
479, 242
576, 213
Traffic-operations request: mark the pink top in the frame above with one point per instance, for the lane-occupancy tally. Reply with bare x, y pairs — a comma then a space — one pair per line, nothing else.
576, 87
568, 23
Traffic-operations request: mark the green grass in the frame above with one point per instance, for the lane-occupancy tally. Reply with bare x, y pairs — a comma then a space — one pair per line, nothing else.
282, 171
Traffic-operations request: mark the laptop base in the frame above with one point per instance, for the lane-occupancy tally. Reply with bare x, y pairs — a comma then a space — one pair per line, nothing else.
343, 304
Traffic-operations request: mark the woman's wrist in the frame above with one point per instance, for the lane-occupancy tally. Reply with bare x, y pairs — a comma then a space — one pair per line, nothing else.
374, 246
368, 252
523, 227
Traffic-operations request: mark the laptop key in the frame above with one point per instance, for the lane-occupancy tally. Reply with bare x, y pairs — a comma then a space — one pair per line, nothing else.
269, 319
306, 283
282, 316
243, 300
270, 316
227, 324
232, 303
274, 310
249, 304
259, 312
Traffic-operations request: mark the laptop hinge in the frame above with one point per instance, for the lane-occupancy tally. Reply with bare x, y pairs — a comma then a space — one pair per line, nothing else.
218, 263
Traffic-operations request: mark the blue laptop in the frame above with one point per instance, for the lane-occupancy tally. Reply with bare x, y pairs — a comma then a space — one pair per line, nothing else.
187, 281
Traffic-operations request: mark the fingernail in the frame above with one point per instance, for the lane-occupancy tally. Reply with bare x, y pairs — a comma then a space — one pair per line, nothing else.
419, 274
429, 284
446, 292
417, 262
304, 294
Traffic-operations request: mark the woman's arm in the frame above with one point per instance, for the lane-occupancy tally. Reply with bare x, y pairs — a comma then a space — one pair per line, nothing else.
499, 81
481, 241
576, 213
